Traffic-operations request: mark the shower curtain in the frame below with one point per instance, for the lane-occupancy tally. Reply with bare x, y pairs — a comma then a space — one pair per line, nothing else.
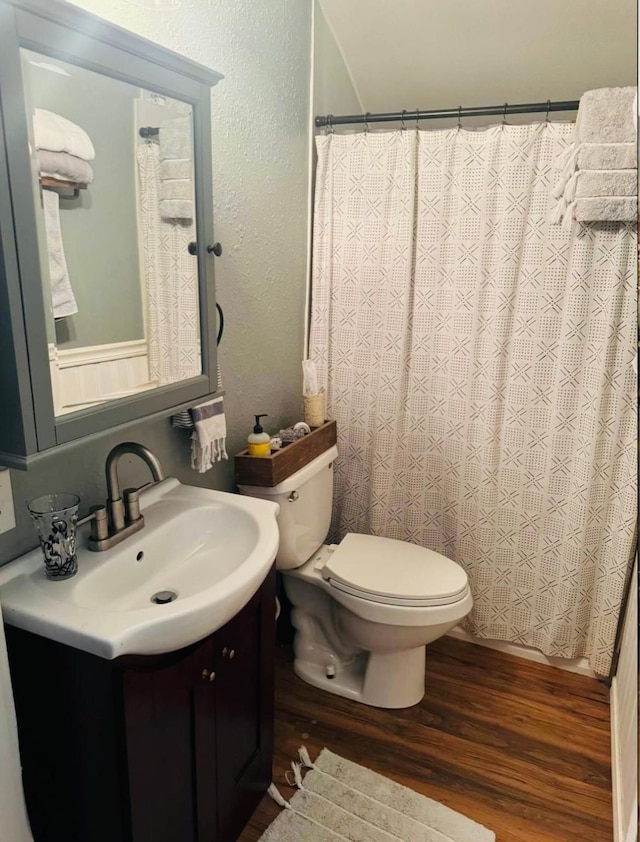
170, 281
479, 362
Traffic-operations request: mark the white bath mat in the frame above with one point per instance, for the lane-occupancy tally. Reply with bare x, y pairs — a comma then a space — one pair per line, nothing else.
339, 800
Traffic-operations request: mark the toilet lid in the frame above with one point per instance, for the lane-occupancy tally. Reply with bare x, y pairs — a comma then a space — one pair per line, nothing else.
394, 572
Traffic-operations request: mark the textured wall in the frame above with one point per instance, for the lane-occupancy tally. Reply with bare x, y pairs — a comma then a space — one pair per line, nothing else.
260, 146
333, 91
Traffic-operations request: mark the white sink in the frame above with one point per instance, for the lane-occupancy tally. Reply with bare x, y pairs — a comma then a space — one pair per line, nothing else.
212, 549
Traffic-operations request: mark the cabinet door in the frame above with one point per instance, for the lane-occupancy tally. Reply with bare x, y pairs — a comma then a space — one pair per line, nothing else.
106, 63
243, 660
163, 711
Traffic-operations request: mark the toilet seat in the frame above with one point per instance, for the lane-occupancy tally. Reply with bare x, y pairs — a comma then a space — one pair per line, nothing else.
392, 572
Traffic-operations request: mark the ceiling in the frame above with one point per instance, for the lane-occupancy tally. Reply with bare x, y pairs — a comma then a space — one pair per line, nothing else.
426, 54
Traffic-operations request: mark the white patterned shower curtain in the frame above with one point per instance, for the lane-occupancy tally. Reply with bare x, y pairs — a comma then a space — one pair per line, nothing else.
170, 281
479, 363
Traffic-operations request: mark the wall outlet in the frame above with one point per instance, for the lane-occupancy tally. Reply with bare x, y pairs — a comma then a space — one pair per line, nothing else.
7, 512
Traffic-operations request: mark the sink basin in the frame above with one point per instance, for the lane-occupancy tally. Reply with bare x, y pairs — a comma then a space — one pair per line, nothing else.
198, 560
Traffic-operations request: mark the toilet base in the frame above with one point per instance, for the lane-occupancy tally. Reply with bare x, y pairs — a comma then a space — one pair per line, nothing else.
381, 680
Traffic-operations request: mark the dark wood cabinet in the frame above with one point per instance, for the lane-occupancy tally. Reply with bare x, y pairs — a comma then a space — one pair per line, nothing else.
168, 748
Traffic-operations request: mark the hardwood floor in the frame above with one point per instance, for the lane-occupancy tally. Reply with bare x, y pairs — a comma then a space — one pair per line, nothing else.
520, 747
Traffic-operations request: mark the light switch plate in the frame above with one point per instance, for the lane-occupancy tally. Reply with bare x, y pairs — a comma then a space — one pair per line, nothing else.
7, 512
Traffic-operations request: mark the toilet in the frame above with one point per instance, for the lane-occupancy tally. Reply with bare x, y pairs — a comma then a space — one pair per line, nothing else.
364, 609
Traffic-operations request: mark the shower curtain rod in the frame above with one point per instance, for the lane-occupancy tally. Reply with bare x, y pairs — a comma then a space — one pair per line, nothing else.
476, 111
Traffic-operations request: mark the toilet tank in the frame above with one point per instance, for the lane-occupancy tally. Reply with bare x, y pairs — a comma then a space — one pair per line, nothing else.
305, 500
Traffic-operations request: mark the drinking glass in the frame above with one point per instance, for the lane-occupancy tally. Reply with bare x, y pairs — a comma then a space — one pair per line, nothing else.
55, 517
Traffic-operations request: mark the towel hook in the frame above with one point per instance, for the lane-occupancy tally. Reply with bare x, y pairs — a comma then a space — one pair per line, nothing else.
504, 114
459, 117
548, 110
366, 121
402, 119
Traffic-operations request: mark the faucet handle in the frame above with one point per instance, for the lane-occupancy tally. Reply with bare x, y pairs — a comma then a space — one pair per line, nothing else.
132, 504
99, 523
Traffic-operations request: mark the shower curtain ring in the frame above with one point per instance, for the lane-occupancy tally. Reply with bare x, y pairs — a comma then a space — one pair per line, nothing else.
366, 121
548, 110
459, 117
504, 114
417, 118
402, 119
330, 124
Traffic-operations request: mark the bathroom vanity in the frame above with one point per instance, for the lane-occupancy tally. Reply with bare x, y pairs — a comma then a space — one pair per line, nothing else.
144, 683
156, 748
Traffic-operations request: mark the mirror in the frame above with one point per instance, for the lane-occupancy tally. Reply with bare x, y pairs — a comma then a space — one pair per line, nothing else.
113, 177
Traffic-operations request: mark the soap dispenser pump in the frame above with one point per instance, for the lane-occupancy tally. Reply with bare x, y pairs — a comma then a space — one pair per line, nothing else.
259, 442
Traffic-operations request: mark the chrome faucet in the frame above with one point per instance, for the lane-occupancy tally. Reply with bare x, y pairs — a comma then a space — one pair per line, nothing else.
121, 517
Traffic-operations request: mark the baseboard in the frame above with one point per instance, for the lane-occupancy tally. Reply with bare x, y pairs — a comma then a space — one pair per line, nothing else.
578, 665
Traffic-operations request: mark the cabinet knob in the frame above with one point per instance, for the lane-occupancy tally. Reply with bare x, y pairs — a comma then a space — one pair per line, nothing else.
210, 675
228, 653
216, 249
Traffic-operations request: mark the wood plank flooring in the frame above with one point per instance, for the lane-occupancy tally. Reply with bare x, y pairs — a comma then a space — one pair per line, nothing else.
520, 747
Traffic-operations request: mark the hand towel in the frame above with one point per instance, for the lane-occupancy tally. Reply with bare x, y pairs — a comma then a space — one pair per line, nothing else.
606, 209
57, 134
175, 139
209, 437
176, 169
599, 172
208, 427
176, 209
64, 167
62, 298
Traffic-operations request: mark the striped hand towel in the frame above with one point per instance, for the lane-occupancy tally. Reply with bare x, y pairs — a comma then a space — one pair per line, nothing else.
207, 424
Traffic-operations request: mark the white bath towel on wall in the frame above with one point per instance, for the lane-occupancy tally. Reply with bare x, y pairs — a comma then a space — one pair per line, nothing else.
63, 300
599, 171
478, 361
64, 167
176, 169
171, 280
57, 134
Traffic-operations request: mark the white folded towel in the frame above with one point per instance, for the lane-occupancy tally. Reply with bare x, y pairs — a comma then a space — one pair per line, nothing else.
64, 167
62, 298
57, 134
599, 172
176, 168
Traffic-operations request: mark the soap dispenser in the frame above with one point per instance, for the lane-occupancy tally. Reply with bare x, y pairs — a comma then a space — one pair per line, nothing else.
259, 442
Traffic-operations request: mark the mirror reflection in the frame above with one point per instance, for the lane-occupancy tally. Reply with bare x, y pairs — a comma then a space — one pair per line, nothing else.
114, 183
